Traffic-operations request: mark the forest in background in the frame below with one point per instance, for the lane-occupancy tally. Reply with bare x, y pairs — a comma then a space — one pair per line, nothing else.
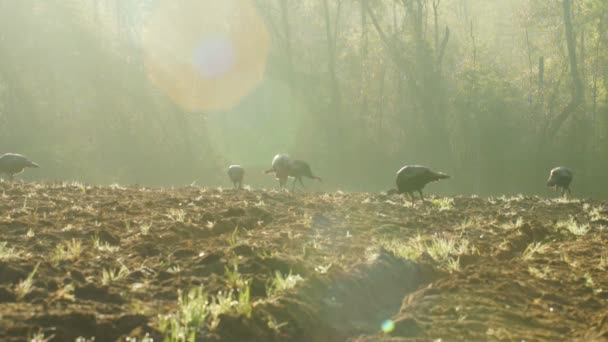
494, 93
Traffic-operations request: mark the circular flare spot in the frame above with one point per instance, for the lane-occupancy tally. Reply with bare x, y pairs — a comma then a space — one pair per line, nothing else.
206, 55
388, 326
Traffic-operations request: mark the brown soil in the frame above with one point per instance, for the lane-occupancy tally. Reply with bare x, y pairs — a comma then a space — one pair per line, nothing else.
351, 284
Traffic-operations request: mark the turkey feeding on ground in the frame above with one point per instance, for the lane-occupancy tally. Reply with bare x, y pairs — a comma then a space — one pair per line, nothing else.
560, 178
280, 167
299, 169
12, 164
236, 174
413, 178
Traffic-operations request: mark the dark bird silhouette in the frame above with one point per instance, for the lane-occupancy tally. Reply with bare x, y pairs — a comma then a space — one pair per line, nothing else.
280, 167
560, 177
12, 164
413, 178
236, 174
299, 169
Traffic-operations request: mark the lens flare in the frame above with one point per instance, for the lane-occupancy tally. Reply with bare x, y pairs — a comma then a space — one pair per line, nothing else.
215, 56
206, 55
388, 326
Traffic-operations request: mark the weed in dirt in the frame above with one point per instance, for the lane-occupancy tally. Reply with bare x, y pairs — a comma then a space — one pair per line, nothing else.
566, 200
233, 240
513, 224
603, 265
307, 221
80, 187
227, 302
66, 292
539, 273
467, 224
175, 269
146, 338
574, 227
234, 279
140, 307
69, 227
322, 269
410, 249
70, 250
40, 337
110, 275
116, 186
441, 250
274, 325
533, 248
499, 334
84, 339
588, 280
177, 215
103, 246
190, 317
268, 254
279, 283
443, 204
595, 213
144, 228
5, 252
505, 199
590, 283
260, 204
566, 258
453, 265
25, 286
198, 310
76, 208
140, 287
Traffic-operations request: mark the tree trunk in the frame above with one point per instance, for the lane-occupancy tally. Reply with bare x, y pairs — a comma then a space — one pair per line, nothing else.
331, 47
436, 23
577, 88
284, 9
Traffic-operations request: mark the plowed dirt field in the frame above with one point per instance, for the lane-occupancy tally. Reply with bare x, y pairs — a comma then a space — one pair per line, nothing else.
118, 263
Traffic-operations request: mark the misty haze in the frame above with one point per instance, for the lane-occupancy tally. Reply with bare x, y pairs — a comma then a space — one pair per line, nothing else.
303, 170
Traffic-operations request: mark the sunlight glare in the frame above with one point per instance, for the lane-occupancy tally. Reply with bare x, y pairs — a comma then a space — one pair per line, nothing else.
205, 55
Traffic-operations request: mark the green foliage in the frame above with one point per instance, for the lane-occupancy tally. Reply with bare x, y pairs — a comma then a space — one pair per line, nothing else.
198, 310
444, 251
6, 252
280, 283
25, 286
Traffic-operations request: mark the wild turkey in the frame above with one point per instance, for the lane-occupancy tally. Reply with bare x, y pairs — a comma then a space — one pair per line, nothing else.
236, 174
299, 169
560, 177
280, 167
12, 164
412, 178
